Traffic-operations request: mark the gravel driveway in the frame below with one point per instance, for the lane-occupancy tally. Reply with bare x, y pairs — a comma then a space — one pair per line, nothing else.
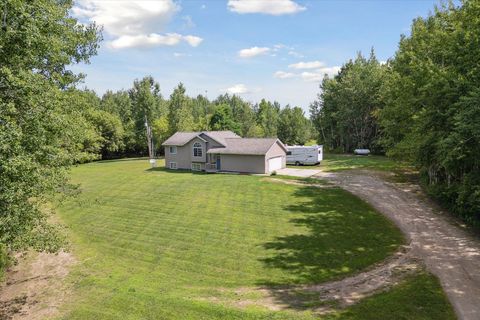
302, 173
448, 251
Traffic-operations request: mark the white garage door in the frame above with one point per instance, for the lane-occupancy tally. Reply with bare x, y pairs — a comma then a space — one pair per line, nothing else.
274, 164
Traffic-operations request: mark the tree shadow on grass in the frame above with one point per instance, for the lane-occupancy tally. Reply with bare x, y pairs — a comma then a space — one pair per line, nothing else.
338, 240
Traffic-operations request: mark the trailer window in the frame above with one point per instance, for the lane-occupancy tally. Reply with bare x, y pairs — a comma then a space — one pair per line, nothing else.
289, 153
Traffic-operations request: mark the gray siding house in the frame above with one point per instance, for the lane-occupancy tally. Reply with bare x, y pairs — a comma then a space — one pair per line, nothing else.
223, 151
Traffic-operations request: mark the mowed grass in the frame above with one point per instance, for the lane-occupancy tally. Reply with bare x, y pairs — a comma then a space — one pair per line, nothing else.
420, 297
157, 244
338, 162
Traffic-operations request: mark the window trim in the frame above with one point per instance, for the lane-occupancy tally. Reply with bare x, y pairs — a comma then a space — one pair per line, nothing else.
172, 165
197, 165
172, 148
197, 146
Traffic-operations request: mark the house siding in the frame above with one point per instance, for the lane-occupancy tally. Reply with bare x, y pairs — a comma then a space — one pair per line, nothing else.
242, 163
275, 151
229, 162
184, 156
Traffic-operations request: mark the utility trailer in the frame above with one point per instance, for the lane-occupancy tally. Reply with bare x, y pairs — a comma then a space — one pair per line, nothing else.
300, 155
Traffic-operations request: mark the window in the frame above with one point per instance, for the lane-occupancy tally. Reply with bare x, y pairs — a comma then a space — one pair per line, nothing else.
289, 153
172, 165
197, 149
173, 150
196, 167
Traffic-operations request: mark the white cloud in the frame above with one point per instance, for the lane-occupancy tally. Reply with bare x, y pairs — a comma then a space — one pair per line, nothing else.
307, 65
295, 54
152, 40
133, 23
312, 76
252, 52
180, 54
239, 89
193, 40
319, 74
273, 7
283, 75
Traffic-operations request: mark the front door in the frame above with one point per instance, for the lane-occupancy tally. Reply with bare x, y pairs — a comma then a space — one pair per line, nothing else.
218, 162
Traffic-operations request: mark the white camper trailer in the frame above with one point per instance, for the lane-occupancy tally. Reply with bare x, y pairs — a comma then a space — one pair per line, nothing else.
300, 155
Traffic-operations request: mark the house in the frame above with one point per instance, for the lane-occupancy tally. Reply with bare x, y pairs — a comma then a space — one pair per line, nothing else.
223, 151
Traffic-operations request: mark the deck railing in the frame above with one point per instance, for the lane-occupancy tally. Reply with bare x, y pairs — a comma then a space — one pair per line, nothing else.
210, 167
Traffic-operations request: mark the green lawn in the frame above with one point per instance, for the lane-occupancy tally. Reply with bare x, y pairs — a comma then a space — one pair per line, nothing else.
156, 244
420, 297
338, 162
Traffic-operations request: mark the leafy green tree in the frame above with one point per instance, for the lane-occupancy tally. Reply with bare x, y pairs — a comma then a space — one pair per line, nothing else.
146, 106
160, 131
293, 127
345, 114
267, 117
242, 113
42, 132
119, 104
222, 119
431, 116
180, 117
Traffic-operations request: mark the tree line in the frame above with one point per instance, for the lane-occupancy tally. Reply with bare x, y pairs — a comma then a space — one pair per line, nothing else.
117, 119
422, 106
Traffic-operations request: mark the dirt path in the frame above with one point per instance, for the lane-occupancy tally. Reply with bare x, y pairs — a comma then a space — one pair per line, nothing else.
447, 250
35, 288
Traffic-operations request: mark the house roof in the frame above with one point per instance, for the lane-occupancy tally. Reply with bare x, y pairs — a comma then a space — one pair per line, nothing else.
221, 136
232, 143
248, 146
182, 138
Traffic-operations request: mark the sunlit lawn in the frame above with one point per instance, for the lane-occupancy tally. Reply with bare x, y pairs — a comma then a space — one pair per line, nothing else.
156, 244
339, 162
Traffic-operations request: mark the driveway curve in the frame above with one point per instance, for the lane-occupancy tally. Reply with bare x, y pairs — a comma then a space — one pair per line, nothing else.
448, 251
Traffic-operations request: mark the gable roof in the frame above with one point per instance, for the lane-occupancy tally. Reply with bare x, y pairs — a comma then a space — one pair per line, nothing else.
181, 138
247, 146
221, 136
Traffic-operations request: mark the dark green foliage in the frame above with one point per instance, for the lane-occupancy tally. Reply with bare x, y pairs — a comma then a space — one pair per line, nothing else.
119, 118
180, 117
423, 106
146, 103
432, 111
267, 117
222, 119
345, 112
293, 127
42, 129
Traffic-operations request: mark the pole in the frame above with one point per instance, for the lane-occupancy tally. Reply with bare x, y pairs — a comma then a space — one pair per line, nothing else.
151, 150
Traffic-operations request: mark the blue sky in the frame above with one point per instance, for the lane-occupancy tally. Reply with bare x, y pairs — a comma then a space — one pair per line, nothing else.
274, 49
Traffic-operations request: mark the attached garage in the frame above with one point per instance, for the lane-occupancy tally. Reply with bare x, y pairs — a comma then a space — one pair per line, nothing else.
251, 155
274, 164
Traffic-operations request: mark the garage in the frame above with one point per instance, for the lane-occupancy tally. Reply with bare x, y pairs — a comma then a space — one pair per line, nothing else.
275, 164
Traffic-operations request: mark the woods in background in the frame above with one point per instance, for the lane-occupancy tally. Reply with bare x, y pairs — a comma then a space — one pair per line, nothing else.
117, 120
423, 106
345, 113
